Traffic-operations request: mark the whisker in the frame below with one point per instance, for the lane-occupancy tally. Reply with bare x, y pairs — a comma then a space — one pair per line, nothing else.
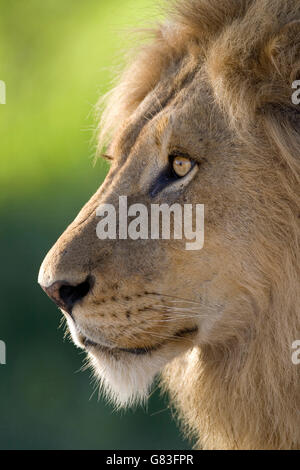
179, 312
178, 309
187, 317
160, 411
174, 297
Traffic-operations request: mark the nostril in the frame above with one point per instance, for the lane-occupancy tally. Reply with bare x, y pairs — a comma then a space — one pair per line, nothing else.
72, 294
66, 295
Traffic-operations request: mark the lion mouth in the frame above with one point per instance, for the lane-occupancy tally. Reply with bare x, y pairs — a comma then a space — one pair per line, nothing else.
89, 344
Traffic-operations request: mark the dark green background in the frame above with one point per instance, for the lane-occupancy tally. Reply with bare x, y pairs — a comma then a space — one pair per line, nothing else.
55, 57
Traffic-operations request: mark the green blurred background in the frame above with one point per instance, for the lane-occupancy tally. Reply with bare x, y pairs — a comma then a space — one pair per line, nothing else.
55, 57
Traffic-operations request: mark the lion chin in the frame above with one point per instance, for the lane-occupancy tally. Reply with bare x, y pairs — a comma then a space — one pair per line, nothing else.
125, 375
203, 116
127, 381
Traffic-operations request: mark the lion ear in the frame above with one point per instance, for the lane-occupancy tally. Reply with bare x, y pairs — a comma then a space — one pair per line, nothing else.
283, 51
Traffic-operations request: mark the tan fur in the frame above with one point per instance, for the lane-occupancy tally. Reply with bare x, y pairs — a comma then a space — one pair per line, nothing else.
215, 81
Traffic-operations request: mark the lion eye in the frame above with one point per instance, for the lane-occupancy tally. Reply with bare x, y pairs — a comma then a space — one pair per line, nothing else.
181, 166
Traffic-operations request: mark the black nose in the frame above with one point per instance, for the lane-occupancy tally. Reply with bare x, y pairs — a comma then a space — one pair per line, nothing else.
66, 295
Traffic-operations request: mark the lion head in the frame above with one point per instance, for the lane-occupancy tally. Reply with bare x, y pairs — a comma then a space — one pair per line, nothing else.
202, 114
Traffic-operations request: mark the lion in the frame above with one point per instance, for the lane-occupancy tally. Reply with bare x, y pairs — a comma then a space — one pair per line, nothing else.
203, 113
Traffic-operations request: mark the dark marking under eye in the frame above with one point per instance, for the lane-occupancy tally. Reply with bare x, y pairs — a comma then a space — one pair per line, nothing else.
164, 179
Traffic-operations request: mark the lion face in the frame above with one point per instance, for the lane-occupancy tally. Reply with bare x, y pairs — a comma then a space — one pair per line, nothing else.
135, 305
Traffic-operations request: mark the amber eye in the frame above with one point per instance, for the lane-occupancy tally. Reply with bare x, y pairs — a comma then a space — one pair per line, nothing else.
181, 166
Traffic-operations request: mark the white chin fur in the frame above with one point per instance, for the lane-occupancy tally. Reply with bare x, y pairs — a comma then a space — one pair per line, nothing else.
127, 381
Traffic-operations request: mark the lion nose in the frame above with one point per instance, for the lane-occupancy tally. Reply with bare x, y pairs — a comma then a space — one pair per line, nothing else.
66, 295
